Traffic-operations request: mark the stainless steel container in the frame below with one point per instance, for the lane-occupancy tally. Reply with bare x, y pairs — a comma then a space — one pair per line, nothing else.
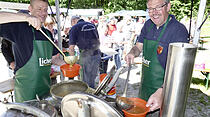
178, 74
87, 105
31, 108
59, 90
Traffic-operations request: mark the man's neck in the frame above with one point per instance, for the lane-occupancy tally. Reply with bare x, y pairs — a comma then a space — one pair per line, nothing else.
163, 23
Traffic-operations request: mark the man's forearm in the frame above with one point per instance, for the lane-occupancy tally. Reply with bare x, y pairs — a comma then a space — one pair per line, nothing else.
135, 51
7, 17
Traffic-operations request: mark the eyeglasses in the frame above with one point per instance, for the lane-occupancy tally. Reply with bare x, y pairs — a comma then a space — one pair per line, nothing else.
150, 10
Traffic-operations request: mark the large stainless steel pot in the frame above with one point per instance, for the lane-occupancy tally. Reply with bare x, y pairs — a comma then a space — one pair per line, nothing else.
87, 105
59, 90
28, 109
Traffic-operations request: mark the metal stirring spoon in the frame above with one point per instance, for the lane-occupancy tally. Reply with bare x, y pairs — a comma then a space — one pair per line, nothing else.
68, 59
122, 101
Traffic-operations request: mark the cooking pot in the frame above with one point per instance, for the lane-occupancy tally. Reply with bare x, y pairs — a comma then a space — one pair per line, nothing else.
87, 105
28, 108
59, 90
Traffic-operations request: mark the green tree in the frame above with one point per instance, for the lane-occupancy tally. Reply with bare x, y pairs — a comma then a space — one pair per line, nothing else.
179, 8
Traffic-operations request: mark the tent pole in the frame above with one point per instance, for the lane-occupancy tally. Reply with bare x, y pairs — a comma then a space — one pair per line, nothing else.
59, 30
201, 11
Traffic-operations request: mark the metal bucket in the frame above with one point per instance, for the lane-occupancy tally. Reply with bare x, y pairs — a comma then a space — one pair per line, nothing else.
59, 90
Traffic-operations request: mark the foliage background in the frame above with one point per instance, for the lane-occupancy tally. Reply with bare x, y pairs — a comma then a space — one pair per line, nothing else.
180, 8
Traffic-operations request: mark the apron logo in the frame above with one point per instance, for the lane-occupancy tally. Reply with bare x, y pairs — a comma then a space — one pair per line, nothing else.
145, 62
159, 49
44, 62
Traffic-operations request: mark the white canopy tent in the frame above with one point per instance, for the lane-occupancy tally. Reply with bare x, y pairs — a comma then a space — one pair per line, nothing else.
129, 13
132, 13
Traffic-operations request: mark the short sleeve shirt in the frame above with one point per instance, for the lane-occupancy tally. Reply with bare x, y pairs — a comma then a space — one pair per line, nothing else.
174, 32
21, 36
84, 35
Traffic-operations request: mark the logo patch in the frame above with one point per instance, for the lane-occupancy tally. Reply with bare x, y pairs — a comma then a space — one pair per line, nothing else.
145, 62
159, 49
44, 62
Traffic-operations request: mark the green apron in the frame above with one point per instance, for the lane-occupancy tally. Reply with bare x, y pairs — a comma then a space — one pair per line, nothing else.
152, 71
34, 77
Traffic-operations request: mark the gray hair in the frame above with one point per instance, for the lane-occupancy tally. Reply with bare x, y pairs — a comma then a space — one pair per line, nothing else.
167, 1
75, 17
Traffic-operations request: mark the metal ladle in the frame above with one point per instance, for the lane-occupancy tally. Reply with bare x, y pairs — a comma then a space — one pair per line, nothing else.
122, 101
68, 59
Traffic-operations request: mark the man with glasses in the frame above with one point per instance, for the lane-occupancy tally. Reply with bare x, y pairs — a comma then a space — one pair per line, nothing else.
157, 33
32, 51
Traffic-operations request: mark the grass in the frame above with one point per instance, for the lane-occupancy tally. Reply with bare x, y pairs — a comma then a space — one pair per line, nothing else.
200, 83
199, 108
205, 29
202, 100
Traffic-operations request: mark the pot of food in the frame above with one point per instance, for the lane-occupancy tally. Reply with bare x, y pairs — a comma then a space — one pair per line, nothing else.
138, 109
59, 90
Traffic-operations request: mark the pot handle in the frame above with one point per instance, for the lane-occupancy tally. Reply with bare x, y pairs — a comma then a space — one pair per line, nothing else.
114, 79
105, 81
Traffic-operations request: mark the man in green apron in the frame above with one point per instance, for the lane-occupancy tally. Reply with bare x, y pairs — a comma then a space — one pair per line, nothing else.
157, 33
32, 51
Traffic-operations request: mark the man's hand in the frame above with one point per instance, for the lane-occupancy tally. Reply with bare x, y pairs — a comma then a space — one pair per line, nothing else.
12, 65
129, 58
34, 21
56, 60
134, 52
155, 100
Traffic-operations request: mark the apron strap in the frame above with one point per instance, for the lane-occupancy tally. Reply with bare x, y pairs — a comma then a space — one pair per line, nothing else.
161, 33
48, 34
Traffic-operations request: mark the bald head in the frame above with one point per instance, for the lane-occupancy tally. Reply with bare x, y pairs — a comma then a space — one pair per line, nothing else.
38, 8
32, 1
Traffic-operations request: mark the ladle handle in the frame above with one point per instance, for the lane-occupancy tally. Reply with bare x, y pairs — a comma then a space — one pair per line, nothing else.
52, 42
126, 81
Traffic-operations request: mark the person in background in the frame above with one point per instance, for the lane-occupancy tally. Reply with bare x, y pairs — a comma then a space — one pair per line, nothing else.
110, 28
6, 49
117, 41
50, 25
85, 36
102, 27
157, 33
33, 52
138, 26
127, 29
65, 41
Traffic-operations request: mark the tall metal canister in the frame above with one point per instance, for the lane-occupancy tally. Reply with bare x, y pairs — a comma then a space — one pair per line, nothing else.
178, 74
